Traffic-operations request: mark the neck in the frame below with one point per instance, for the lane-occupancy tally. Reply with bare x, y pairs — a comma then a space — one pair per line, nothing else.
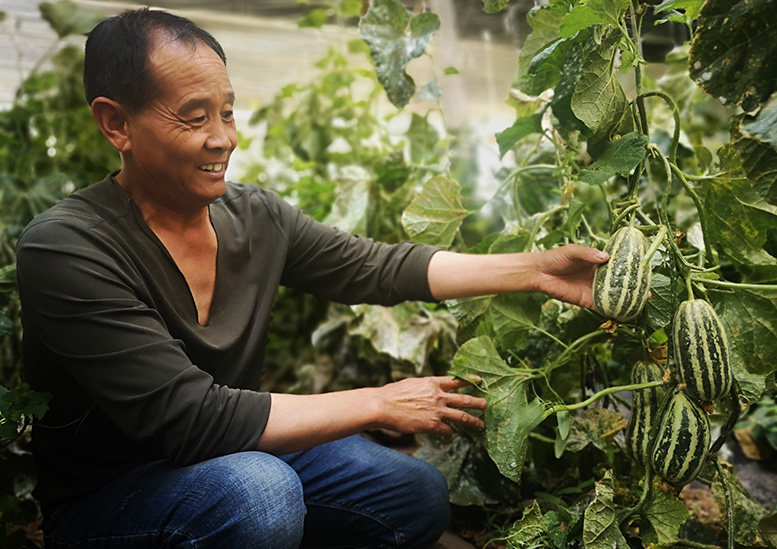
160, 217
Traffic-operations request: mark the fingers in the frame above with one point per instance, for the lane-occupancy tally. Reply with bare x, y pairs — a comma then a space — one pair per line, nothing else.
455, 404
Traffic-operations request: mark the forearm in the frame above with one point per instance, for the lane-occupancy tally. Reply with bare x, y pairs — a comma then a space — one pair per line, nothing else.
454, 275
298, 422
413, 405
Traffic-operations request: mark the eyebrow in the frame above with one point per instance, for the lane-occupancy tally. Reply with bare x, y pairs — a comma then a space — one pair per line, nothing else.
197, 103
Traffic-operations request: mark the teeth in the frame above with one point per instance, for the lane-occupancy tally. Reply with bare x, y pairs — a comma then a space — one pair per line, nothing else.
212, 167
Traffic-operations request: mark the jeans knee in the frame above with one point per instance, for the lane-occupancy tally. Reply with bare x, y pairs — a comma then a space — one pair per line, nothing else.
250, 500
424, 529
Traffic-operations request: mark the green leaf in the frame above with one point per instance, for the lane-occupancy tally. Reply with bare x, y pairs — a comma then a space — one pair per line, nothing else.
434, 216
351, 210
659, 308
513, 316
404, 332
450, 71
747, 511
601, 529
581, 17
17, 405
522, 127
619, 157
395, 38
599, 100
738, 221
755, 140
469, 312
664, 513
66, 18
750, 320
542, 54
315, 19
510, 416
392, 171
593, 12
596, 426
530, 530
690, 7
494, 6
348, 8
768, 528
734, 54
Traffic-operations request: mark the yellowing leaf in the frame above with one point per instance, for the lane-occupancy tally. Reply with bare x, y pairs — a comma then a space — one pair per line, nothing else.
434, 216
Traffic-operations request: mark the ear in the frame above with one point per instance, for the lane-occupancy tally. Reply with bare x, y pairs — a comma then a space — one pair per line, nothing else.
113, 121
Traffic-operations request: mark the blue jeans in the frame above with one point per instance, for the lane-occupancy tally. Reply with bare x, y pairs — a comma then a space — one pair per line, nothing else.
348, 493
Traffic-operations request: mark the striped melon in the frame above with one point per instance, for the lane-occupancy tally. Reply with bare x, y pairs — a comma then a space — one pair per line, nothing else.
622, 284
682, 441
701, 351
644, 409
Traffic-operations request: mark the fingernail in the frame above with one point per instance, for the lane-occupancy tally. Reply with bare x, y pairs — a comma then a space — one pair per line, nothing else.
602, 255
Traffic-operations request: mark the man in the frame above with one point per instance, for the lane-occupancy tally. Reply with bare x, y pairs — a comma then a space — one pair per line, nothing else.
147, 300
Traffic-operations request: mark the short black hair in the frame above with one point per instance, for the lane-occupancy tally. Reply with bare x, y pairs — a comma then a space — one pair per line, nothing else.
117, 51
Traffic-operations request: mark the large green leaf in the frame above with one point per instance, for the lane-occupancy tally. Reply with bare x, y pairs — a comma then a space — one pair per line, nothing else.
690, 7
522, 127
763, 126
494, 6
396, 38
66, 18
750, 320
593, 12
542, 54
755, 140
435, 214
351, 209
599, 100
738, 221
734, 54
510, 415
513, 316
405, 332
601, 529
664, 514
618, 157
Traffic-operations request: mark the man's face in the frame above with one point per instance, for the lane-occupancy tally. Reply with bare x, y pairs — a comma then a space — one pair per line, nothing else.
182, 141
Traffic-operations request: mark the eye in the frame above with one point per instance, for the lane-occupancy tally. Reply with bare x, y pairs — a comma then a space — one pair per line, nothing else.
198, 121
227, 115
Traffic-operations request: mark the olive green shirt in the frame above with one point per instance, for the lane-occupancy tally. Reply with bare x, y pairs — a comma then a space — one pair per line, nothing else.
110, 326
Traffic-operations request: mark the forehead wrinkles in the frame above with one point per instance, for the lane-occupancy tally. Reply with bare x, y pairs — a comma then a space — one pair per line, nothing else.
181, 68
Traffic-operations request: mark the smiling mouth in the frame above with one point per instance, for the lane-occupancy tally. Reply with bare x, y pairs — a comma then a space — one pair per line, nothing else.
213, 167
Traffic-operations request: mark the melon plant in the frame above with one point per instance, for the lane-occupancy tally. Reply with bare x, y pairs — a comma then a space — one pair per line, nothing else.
682, 441
644, 410
621, 286
701, 351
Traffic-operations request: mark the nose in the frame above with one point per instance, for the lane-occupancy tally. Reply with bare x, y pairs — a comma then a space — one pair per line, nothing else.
222, 135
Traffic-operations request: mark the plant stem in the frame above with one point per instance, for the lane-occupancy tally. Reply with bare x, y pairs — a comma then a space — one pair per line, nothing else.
735, 285
689, 286
596, 396
729, 503
695, 544
654, 247
699, 208
636, 21
675, 115
646, 478
623, 214
564, 356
